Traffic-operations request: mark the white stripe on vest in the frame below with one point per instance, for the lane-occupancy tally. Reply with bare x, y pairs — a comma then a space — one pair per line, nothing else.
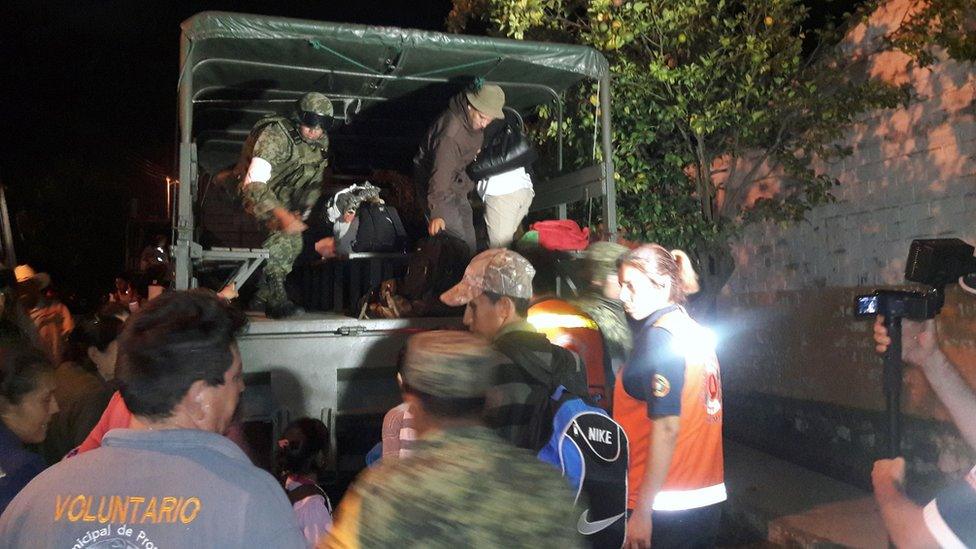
680, 500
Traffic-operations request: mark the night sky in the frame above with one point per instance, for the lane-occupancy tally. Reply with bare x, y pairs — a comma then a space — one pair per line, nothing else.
89, 117
88, 107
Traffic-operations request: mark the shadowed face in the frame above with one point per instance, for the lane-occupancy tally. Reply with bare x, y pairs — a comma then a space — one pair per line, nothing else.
312, 134
478, 120
484, 318
611, 286
640, 294
29, 418
105, 361
220, 402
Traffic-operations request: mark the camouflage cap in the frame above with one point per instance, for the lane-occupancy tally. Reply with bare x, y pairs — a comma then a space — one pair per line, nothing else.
317, 103
499, 271
449, 364
601, 259
315, 111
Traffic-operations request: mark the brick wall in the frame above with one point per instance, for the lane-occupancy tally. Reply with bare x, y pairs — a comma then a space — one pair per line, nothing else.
912, 175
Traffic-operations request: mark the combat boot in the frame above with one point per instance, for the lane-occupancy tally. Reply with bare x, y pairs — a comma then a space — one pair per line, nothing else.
257, 303
280, 310
277, 304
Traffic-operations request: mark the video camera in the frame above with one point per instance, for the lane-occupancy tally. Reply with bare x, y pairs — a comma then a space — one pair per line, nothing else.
933, 262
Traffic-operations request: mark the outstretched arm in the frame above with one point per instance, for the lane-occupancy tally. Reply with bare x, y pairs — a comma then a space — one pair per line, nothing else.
920, 346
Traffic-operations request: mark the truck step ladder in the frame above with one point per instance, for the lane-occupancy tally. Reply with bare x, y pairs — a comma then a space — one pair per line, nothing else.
248, 260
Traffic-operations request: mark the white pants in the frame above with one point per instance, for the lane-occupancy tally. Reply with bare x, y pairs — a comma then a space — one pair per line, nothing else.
503, 215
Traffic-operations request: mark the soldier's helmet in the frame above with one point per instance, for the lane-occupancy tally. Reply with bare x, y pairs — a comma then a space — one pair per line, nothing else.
315, 111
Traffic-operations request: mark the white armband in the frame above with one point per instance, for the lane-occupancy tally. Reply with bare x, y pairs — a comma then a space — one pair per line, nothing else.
258, 172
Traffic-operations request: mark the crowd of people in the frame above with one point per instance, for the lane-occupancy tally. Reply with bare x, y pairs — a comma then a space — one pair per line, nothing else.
130, 432
121, 429
136, 425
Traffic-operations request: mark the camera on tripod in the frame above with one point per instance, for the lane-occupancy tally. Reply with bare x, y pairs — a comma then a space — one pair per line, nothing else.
933, 262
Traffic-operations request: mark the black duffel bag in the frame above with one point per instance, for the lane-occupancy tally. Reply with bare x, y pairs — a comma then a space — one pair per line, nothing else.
505, 148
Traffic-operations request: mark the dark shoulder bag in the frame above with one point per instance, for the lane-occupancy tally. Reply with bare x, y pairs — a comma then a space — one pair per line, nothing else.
504, 149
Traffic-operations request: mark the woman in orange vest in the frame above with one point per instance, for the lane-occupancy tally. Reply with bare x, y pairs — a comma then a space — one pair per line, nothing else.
668, 398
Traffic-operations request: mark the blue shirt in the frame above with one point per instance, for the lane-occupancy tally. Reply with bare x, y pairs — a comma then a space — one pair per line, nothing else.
654, 356
17, 466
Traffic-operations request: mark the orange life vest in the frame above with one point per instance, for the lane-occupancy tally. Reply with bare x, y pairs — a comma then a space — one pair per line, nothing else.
570, 328
696, 475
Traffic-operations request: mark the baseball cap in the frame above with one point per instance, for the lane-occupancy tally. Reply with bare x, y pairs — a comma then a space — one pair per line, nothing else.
499, 271
489, 100
449, 364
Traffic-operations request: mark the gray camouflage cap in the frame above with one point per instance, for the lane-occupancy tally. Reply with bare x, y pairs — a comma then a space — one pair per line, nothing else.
600, 258
449, 364
315, 110
499, 271
315, 102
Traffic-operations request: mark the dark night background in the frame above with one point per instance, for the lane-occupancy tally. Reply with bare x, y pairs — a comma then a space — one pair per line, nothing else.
88, 111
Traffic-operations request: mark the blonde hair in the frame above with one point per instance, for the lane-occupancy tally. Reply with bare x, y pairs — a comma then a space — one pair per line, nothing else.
653, 260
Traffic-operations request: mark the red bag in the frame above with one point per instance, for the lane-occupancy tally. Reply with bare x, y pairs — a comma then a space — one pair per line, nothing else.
561, 234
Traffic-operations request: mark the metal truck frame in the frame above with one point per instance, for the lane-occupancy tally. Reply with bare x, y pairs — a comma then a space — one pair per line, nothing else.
235, 68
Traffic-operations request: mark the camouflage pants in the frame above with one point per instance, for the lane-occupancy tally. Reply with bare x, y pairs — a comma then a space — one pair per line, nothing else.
283, 249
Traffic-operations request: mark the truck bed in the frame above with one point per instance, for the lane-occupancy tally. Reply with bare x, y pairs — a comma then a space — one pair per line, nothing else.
327, 366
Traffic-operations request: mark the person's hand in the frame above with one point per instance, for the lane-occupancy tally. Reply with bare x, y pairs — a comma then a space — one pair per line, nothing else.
326, 247
639, 530
919, 340
888, 474
289, 222
229, 291
436, 225
296, 226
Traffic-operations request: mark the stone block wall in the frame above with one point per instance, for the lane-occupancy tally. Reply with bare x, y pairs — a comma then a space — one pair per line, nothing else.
793, 356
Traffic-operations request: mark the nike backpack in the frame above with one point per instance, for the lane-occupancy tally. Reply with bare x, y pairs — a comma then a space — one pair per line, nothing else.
581, 440
591, 450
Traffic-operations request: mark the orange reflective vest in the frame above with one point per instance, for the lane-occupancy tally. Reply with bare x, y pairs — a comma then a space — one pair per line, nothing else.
570, 328
696, 475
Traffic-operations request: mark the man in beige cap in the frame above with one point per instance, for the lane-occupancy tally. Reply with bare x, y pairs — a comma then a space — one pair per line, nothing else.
496, 290
449, 146
51, 319
462, 486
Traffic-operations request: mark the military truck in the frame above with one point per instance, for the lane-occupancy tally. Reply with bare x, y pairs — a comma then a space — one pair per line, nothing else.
387, 84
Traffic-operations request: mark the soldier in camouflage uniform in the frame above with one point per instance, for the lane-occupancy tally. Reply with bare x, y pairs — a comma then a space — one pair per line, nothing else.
462, 486
281, 169
599, 298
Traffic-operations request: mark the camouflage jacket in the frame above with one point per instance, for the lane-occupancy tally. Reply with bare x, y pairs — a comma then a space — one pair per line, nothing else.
297, 167
610, 318
463, 487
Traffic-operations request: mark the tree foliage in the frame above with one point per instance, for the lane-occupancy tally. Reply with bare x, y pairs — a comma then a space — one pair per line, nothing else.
720, 108
950, 24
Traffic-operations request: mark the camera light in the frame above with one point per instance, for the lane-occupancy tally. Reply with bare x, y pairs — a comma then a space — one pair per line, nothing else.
699, 343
